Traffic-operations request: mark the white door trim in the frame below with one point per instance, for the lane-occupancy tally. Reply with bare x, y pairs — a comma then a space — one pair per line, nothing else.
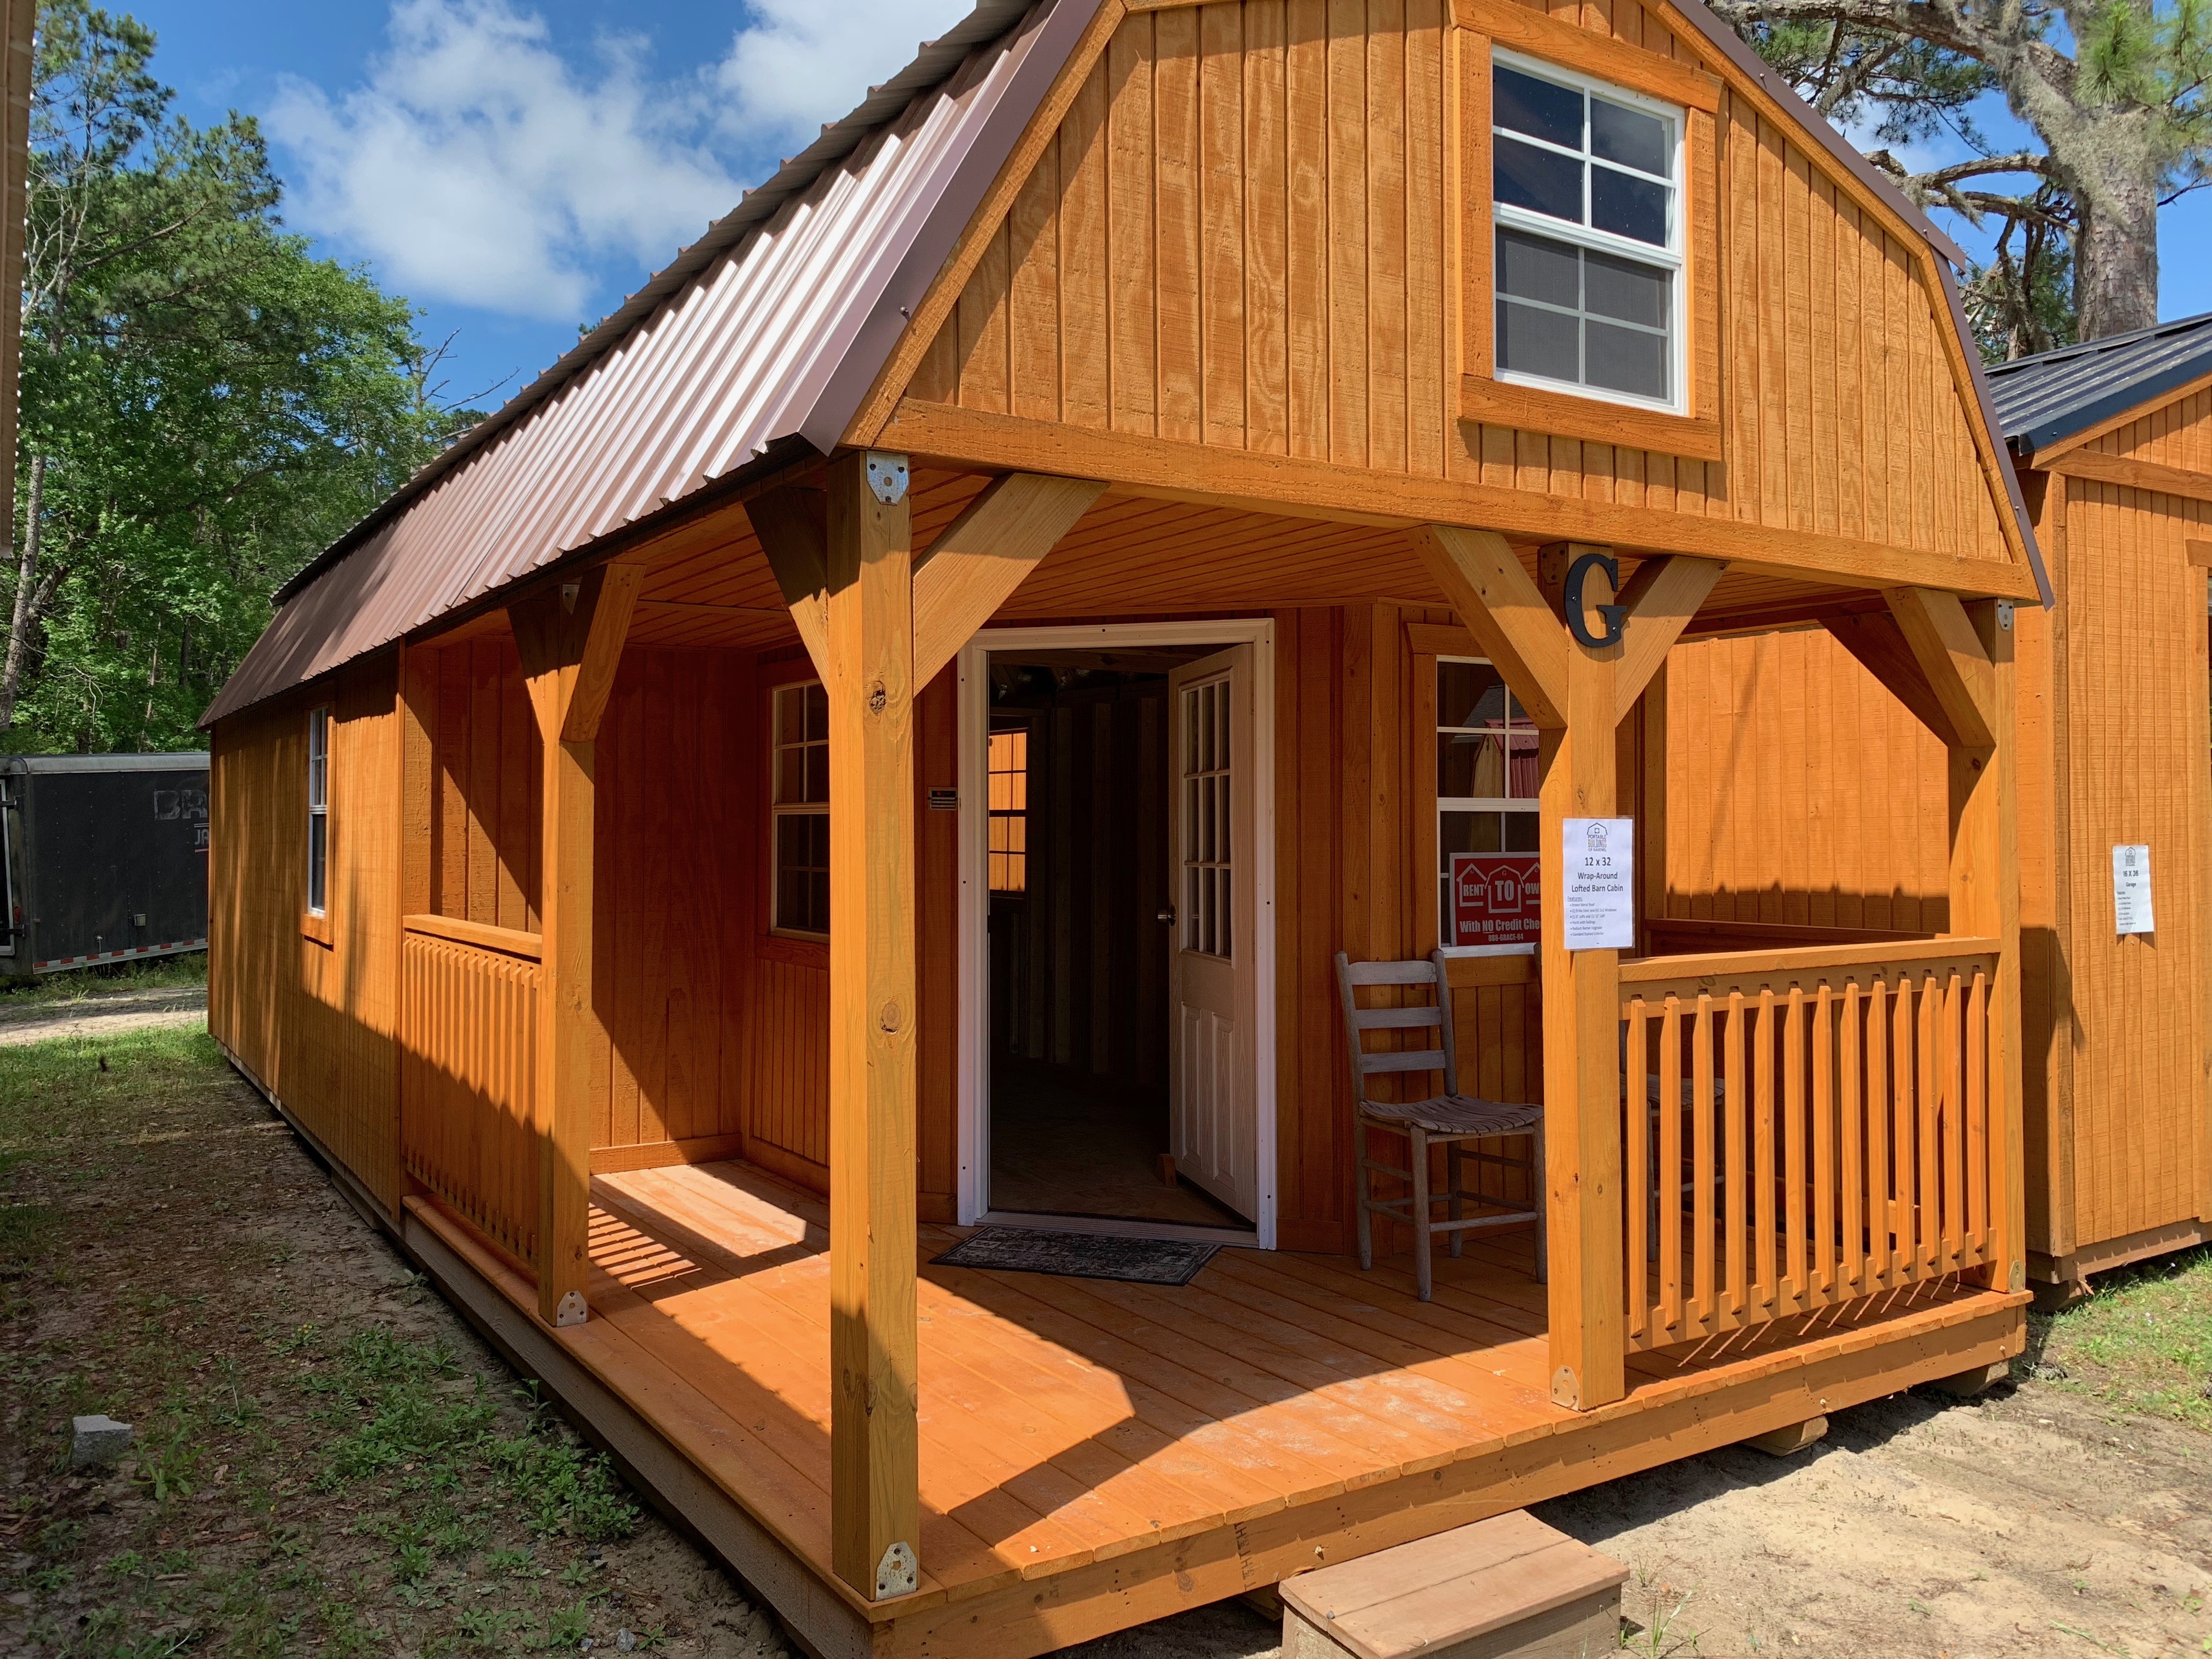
974, 1023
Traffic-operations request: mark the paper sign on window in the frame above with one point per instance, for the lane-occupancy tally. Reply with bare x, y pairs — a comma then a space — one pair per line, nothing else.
1495, 899
2131, 891
1599, 900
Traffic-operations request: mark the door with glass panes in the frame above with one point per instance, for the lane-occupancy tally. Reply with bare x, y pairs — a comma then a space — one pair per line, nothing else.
1213, 1105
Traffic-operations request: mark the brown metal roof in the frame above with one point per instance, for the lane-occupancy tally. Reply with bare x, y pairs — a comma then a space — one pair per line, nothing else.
770, 330
759, 343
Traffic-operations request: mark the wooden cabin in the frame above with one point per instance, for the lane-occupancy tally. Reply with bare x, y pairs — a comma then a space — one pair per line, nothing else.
891, 732
2112, 442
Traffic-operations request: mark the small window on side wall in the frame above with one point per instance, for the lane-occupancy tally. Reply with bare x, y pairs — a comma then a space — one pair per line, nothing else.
318, 809
1588, 237
799, 733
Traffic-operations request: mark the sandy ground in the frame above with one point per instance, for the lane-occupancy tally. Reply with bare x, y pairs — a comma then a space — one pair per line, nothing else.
103, 1011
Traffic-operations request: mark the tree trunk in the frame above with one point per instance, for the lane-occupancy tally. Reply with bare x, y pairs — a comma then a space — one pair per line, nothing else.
20, 625
2116, 257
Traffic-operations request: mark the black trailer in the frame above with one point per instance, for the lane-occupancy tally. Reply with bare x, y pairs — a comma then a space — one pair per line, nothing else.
104, 858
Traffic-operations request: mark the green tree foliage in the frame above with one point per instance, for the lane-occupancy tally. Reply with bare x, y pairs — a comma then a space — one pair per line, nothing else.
2115, 91
205, 405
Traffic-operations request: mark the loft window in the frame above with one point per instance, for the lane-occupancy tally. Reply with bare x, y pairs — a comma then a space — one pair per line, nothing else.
799, 761
1487, 808
1008, 764
1588, 274
318, 809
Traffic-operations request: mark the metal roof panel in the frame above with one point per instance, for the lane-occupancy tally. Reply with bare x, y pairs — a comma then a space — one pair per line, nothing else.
2044, 400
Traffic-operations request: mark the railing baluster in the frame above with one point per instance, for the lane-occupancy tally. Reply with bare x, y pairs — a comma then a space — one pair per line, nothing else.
1953, 1123
1793, 1130
1852, 1134
1823, 1264
1978, 1118
1706, 1234
1670, 1169
1637, 1130
1881, 1256
1766, 1174
1734, 1182
1929, 1234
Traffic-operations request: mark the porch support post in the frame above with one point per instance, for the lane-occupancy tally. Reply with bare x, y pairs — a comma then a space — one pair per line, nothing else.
570, 640
1964, 653
1581, 1029
1570, 691
868, 639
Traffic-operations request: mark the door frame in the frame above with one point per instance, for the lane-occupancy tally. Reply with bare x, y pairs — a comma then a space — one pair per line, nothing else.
973, 1191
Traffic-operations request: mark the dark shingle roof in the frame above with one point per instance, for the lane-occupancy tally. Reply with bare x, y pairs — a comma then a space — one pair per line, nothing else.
2044, 400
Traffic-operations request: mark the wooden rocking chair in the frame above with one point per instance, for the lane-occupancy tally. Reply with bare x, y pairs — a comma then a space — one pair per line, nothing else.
1449, 1117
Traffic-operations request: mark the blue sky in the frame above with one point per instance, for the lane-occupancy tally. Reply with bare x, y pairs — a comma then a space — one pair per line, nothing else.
516, 166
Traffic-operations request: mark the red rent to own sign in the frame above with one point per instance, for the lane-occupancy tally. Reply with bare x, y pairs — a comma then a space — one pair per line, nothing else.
1495, 898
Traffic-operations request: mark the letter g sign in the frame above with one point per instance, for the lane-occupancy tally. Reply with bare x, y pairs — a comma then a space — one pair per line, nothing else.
1570, 598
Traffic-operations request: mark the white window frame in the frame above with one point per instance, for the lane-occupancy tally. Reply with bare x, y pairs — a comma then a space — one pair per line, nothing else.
779, 811
1586, 235
318, 808
1476, 804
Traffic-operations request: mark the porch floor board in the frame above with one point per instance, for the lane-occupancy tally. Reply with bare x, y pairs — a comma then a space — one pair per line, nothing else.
1067, 1424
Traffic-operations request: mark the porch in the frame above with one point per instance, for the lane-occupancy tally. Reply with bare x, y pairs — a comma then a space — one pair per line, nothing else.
1094, 1455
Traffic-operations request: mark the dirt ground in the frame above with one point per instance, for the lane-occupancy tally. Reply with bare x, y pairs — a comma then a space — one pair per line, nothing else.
328, 1462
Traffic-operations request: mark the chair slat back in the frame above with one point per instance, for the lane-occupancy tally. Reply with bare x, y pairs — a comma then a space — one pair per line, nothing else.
1435, 1016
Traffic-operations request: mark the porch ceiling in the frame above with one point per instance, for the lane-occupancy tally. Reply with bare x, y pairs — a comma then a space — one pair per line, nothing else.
1130, 556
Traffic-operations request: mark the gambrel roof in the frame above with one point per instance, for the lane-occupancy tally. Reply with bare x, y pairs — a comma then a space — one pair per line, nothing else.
755, 348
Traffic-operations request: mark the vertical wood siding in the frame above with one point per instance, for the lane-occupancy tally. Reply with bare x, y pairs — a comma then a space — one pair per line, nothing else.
1241, 237
1799, 791
315, 1023
485, 828
2134, 692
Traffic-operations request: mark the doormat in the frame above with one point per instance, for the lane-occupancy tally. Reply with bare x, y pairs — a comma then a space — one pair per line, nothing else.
1080, 1255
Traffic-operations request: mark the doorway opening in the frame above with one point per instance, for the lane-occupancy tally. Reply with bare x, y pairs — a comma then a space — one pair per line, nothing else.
1112, 1040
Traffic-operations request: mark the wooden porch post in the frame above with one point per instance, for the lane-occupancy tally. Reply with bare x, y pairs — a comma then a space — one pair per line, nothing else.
875, 1504
570, 641
1576, 694
879, 624
1964, 656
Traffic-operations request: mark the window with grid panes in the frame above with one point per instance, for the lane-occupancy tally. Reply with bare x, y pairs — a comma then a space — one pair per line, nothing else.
1588, 236
1487, 781
1008, 765
1208, 869
799, 723
318, 809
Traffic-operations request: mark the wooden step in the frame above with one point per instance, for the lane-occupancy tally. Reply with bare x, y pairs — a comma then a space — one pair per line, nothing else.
1507, 1587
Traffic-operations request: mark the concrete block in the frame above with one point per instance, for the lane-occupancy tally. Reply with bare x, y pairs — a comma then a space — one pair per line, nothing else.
97, 1443
1794, 1437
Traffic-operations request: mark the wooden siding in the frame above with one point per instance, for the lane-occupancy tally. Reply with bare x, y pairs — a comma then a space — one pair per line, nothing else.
2132, 759
486, 756
1240, 238
315, 1023
1799, 791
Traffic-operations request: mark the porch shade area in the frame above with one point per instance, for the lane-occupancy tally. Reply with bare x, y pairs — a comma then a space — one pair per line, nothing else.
1174, 1444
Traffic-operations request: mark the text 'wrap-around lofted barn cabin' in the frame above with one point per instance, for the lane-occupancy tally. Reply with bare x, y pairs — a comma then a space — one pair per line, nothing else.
2113, 444
893, 731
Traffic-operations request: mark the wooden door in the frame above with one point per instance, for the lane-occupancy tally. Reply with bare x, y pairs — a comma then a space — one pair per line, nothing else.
1213, 1106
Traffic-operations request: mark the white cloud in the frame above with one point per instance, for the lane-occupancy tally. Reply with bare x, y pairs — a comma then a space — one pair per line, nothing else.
801, 63
477, 165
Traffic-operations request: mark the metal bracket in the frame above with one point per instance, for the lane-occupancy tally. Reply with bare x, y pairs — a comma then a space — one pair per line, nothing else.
571, 1311
887, 478
2004, 615
897, 1573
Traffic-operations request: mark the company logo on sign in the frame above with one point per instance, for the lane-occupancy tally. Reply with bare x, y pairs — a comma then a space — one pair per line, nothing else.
1496, 898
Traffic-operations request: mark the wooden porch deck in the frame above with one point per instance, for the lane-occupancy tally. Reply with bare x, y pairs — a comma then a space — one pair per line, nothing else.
1097, 1455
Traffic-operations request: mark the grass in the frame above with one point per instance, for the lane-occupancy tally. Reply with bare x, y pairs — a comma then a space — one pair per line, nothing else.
2141, 1344
185, 972
324, 1461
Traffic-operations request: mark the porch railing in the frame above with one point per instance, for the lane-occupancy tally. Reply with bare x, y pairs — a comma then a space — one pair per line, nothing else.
1802, 1127
469, 1024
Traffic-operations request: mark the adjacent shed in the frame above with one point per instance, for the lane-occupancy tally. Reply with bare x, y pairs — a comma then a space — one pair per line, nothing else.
2112, 443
